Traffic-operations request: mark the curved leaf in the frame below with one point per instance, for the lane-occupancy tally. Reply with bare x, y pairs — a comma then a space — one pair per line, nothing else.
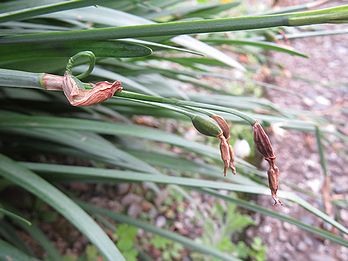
187, 242
15, 216
8, 252
28, 180
101, 174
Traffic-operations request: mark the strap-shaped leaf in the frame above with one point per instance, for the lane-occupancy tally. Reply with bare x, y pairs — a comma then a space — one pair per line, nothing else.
29, 181
100, 49
9, 252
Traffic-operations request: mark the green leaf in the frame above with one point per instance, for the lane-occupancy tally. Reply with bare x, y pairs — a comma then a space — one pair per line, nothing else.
8, 252
15, 216
66, 172
260, 44
100, 49
187, 242
329, 15
112, 17
14, 11
254, 207
45, 243
29, 181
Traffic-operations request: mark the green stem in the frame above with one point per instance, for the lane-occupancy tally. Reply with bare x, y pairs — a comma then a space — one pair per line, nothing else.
161, 105
20, 79
321, 151
13, 78
329, 15
189, 104
73, 59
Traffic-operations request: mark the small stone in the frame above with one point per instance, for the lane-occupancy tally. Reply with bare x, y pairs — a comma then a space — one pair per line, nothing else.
134, 210
320, 257
130, 198
267, 229
344, 215
315, 185
160, 221
122, 188
288, 226
308, 101
323, 101
282, 236
301, 246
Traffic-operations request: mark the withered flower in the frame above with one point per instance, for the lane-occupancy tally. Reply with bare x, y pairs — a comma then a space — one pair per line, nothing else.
76, 91
264, 146
208, 127
78, 96
226, 132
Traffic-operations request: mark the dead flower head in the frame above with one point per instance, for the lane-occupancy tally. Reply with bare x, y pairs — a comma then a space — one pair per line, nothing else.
264, 146
77, 95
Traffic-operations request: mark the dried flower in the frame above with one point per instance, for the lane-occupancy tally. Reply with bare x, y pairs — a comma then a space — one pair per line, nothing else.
264, 146
76, 92
78, 96
226, 132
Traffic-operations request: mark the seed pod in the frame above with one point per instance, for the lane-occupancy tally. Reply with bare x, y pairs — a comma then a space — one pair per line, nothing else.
206, 126
264, 146
262, 142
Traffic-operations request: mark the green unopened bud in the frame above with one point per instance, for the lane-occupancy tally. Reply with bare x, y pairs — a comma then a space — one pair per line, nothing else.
206, 126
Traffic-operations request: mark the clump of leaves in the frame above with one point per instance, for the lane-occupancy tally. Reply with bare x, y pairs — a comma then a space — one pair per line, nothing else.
126, 237
169, 249
227, 223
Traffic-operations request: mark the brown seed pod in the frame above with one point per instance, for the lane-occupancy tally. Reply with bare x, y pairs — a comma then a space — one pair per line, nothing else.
262, 142
264, 146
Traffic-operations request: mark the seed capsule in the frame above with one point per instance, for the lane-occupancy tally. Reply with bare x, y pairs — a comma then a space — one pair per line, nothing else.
206, 126
262, 142
218, 129
264, 146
